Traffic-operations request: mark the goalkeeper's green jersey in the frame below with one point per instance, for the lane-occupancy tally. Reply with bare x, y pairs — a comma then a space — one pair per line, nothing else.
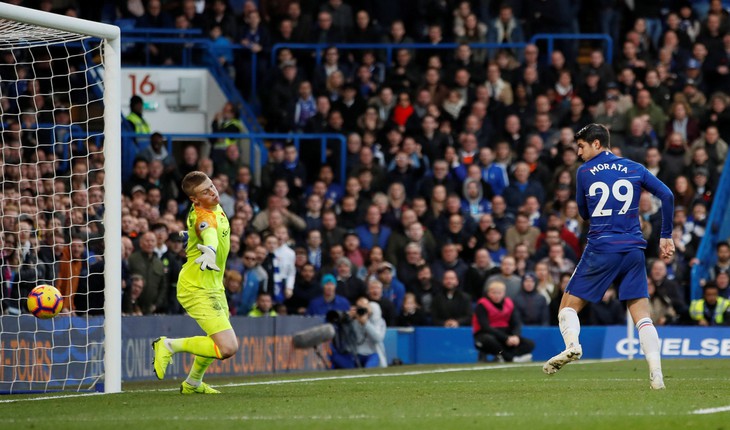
207, 228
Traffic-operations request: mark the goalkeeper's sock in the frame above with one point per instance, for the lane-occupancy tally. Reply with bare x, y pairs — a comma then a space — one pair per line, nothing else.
200, 364
649, 341
199, 345
569, 326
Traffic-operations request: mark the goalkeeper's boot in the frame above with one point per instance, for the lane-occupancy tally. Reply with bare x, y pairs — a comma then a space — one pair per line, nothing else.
556, 363
162, 357
203, 388
656, 380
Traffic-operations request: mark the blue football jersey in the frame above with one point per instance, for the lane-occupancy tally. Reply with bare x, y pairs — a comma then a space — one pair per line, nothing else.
608, 191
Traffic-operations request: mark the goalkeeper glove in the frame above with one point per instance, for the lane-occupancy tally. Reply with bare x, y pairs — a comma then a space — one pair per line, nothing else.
207, 258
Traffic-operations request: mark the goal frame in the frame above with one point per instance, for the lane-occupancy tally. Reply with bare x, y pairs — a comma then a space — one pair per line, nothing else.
110, 35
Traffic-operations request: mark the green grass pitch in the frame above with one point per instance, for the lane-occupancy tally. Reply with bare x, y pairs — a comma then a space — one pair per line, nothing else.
584, 395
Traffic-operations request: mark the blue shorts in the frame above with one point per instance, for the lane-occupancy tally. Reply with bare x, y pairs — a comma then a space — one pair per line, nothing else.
597, 271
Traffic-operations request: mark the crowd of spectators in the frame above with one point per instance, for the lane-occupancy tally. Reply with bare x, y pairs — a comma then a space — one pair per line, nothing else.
460, 163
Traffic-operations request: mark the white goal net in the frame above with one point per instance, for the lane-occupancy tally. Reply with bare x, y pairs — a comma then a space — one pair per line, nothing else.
59, 179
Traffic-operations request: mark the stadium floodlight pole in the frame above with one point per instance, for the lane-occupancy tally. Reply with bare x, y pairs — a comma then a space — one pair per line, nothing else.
110, 35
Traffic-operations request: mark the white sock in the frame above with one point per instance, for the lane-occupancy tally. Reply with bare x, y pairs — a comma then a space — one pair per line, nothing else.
168, 344
569, 326
649, 341
195, 383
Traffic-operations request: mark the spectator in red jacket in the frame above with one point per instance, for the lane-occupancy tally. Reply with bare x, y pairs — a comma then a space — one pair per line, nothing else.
496, 326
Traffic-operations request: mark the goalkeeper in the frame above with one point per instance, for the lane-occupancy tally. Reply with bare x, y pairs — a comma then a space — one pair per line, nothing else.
200, 288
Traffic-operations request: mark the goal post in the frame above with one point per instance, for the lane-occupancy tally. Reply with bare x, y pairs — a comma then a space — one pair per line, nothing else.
32, 31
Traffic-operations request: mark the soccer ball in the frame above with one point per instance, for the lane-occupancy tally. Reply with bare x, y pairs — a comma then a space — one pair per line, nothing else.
45, 301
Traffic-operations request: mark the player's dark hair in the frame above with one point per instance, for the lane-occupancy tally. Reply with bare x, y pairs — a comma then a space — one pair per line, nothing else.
593, 132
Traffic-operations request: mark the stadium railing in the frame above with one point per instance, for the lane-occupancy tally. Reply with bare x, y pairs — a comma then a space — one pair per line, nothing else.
131, 36
550, 38
258, 153
717, 230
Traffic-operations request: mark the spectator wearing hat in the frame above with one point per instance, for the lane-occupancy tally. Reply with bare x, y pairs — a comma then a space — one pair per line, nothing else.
701, 183
393, 289
329, 300
493, 242
694, 73
172, 259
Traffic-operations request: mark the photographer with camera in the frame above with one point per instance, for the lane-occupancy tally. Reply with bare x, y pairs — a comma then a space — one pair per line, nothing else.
359, 339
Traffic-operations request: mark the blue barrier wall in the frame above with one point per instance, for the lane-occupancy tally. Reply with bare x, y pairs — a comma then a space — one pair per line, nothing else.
264, 346
67, 352
433, 345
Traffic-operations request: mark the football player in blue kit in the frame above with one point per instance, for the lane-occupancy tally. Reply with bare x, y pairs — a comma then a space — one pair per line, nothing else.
607, 190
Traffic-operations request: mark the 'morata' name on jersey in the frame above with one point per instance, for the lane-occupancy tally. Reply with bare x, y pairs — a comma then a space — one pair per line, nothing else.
606, 166
608, 191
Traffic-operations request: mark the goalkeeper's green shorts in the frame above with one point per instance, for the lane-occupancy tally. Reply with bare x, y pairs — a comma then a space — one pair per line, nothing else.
208, 308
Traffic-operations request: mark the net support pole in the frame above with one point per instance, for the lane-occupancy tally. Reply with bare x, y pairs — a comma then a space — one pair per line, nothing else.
112, 217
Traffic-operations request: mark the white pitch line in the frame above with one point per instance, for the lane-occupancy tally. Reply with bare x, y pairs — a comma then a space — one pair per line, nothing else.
60, 396
708, 411
328, 378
